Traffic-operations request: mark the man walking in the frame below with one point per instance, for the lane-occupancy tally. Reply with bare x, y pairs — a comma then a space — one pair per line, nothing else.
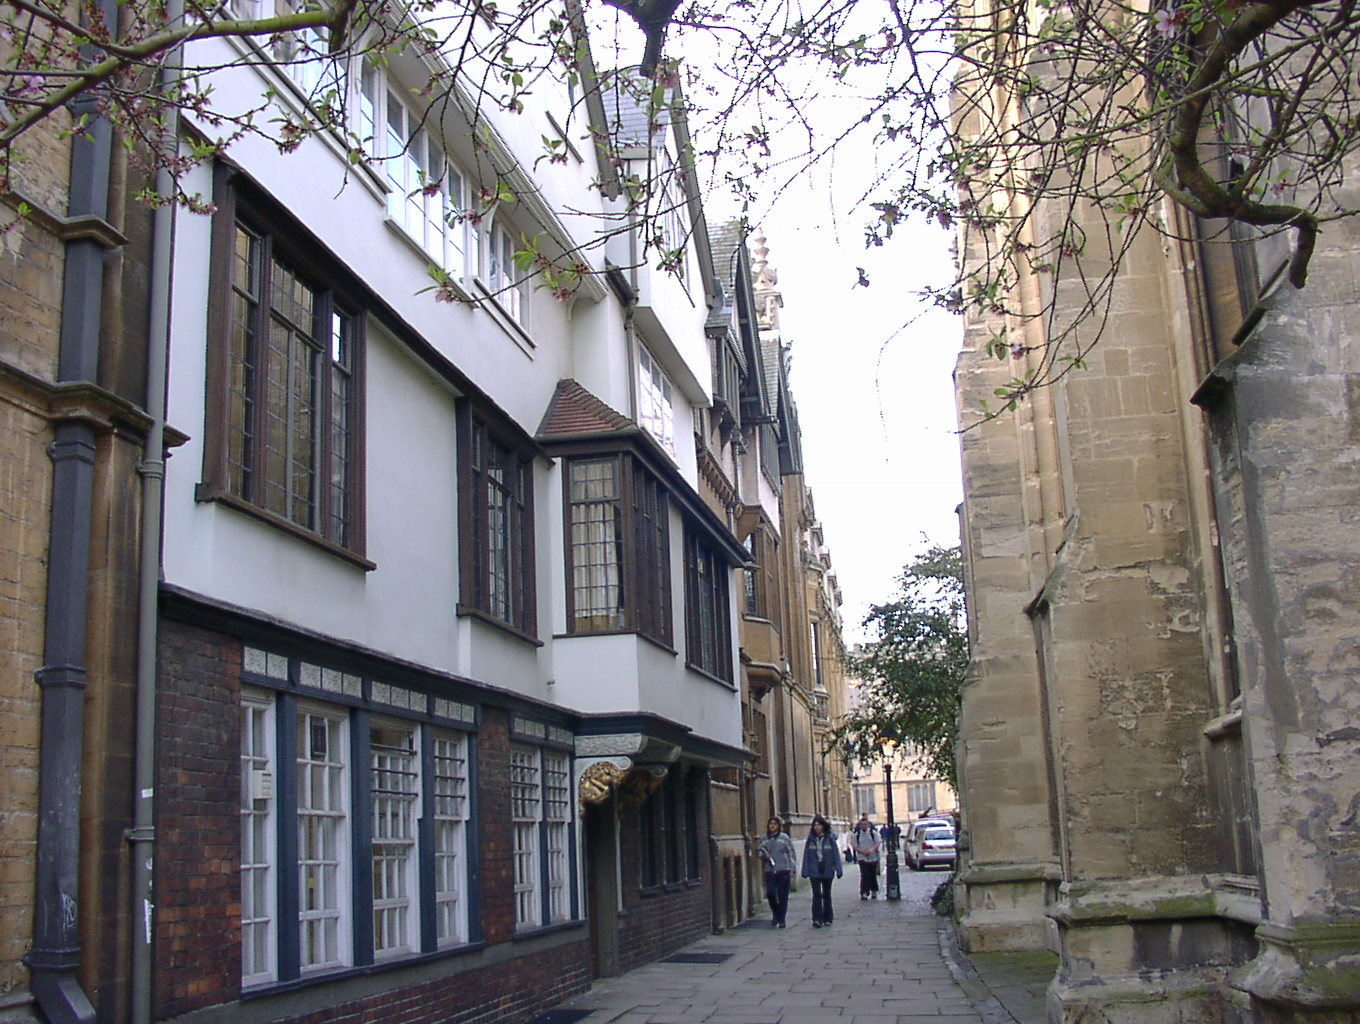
868, 848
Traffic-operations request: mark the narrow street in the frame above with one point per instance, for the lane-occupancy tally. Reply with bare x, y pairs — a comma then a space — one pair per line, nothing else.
881, 963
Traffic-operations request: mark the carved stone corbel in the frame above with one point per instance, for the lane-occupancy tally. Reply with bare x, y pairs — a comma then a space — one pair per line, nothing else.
599, 777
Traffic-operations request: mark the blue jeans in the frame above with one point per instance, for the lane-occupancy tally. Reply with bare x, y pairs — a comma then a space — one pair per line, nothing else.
821, 900
777, 894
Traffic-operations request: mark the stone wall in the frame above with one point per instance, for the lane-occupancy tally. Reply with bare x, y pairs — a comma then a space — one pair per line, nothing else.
1285, 418
1159, 730
1099, 754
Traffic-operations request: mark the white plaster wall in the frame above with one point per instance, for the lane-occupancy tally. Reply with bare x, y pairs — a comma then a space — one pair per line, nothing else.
599, 355
673, 691
406, 607
597, 673
345, 210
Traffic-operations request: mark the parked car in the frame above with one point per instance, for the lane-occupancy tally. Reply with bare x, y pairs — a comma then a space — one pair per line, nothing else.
931, 842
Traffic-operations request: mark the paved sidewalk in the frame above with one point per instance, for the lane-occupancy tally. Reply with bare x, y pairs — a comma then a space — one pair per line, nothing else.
881, 963
1012, 984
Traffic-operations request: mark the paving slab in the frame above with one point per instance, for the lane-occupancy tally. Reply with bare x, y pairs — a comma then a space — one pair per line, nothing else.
880, 963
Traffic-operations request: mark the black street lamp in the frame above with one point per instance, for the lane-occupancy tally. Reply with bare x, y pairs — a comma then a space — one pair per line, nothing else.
894, 882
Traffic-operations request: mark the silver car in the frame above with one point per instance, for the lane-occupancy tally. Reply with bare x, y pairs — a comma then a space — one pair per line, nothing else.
931, 843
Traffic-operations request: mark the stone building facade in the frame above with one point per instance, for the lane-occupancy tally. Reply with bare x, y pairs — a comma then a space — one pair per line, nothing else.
1159, 728
792, 655
74, 430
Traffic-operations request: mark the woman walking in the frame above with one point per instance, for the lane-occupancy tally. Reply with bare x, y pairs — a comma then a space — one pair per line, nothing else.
868, 848
821, 863
777, 853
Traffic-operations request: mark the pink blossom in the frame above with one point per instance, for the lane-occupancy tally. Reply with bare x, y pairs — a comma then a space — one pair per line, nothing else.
1166, 22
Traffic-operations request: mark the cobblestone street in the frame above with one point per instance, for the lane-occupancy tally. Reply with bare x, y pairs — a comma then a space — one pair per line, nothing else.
881, 963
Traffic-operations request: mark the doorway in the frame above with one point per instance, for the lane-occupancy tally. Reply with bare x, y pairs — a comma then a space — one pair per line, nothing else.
602, 885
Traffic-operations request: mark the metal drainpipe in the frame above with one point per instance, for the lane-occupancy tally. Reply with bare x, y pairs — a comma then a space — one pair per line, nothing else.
142, 835
55, 954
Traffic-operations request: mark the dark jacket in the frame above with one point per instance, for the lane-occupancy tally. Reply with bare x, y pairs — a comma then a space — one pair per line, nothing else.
822, 858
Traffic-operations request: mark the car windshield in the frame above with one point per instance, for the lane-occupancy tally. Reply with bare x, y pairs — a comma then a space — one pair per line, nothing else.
939, 833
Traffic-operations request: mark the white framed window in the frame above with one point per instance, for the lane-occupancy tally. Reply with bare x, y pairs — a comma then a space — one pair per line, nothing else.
449, 750
556, 818
502, 278
428, 196
257, 839
526, 808
323, 839
674, 212
656, 406
303, 55
358, 799
395, 799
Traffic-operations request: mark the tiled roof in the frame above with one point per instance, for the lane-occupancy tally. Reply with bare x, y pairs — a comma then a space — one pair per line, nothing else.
772, 358
725, 241
574, 410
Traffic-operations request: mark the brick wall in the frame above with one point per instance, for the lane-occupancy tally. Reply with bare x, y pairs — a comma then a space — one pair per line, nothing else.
657, 924
26, 473
504, 993
198, 899
30, 300
493, 818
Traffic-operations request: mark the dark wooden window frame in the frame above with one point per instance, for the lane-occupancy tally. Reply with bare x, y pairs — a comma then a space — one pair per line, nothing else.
280, 237
670, 842
645, 578
728, 372
708, 627
674, 848
769, 452
694, 847
649, 843
760, 596
480, 446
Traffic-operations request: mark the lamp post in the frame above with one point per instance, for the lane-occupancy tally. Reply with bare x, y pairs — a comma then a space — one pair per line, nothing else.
894, 882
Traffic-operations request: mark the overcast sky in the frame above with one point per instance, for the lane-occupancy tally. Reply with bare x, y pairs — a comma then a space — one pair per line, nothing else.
875, 398
877, 411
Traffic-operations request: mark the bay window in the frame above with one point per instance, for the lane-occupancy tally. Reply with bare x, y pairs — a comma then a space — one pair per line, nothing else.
708, 631
656, 402
428, 197
761, 576
504, 281
618, 517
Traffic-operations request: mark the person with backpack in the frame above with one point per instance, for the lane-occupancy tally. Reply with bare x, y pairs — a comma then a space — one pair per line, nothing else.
868, 850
